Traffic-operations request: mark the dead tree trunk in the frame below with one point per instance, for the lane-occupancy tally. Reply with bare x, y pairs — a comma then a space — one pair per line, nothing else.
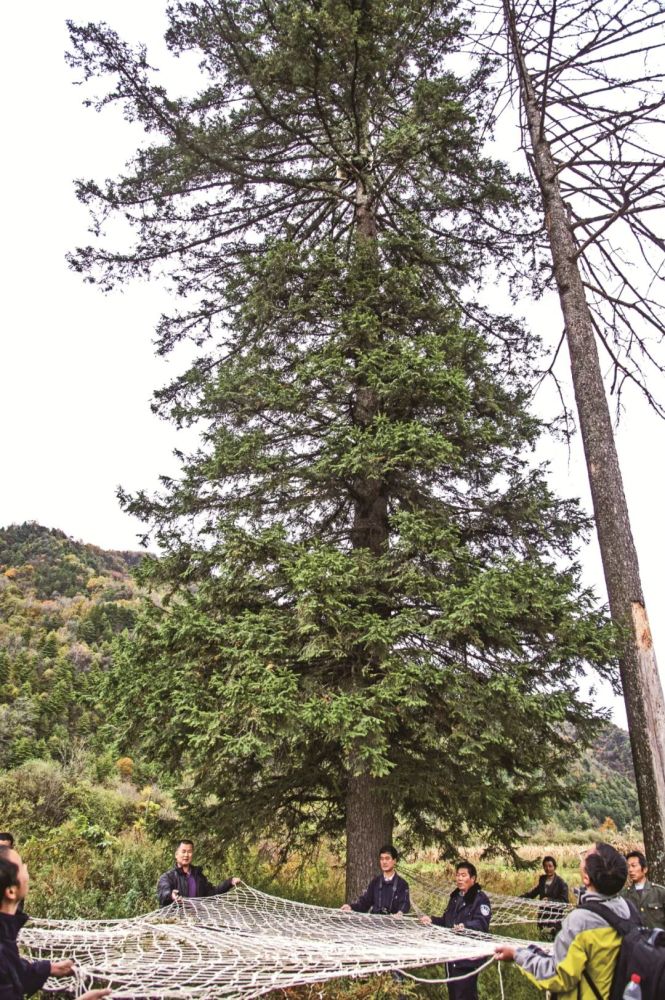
645, 707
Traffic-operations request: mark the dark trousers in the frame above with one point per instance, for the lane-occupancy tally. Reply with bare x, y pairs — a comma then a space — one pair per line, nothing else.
465, 989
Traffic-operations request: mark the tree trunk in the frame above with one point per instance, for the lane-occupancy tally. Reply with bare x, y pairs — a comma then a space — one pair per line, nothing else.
369, 819
643, 694
369, 825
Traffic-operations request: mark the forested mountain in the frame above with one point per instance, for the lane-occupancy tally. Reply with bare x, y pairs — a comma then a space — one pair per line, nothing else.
609, 792
612, 752
61, 604
52, 565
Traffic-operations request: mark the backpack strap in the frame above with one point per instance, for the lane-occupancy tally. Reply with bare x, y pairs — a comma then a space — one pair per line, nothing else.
594, 989
622, 925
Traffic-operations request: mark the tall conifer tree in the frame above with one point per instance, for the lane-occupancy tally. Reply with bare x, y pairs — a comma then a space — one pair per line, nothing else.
369, 618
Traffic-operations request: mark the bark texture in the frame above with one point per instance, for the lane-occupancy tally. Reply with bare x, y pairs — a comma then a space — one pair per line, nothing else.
369, 824
642, 690
369, 819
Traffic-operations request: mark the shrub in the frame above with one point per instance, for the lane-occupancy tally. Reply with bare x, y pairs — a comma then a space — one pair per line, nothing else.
74, 874
35, 797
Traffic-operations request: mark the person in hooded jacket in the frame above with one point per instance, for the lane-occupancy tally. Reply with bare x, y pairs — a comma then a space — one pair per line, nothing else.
469, 908
585, 952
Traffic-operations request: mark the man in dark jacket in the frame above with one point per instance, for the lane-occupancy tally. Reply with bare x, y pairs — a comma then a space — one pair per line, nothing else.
18, 976
552, 888
469, 908
186, 881
388, 893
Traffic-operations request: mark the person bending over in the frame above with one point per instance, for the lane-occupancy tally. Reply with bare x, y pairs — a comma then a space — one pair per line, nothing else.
586, 948
388, 892
468, 908
18, 976
187, 881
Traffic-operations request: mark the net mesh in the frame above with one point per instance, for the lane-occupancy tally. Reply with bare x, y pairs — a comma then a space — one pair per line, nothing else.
430, 895
244, 943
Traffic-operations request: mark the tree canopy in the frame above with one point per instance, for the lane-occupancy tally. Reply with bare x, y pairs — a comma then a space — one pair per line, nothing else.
373, 612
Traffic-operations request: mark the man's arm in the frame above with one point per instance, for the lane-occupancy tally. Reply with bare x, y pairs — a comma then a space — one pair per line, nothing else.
33, 975
440, 921
657, 907
561, 969
532, 893
364, 903
543, 970
224, 886
165, 889
206, 888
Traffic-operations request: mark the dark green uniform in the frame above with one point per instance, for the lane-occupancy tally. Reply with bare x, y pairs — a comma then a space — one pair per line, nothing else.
650, 901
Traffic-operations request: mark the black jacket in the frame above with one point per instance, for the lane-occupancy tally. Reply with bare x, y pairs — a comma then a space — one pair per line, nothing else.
175, 878
472, 908
557, 892
384, 897
18, 977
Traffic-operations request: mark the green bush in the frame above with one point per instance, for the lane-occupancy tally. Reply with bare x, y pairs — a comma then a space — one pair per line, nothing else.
74, 874
35, 797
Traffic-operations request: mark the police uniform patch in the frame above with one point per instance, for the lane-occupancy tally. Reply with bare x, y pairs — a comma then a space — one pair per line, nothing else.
485, 910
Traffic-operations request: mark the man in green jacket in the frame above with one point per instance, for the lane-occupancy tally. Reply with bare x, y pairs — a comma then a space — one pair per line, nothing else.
646, 896
586, 947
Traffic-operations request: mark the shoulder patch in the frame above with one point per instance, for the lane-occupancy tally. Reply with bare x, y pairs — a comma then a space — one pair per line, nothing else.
485, 910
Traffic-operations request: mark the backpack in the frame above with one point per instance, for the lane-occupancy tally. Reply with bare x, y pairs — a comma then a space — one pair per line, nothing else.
642, 951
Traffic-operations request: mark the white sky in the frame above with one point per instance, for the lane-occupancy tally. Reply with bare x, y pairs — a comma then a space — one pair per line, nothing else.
77, 368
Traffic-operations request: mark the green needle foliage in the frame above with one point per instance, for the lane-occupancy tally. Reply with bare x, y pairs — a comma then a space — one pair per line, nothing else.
373, 615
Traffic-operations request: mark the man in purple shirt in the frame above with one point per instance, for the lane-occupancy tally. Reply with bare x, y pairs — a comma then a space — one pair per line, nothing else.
187, 881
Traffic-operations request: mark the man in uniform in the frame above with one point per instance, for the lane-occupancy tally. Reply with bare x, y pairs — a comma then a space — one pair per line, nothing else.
646, 896
186, 880
468, 909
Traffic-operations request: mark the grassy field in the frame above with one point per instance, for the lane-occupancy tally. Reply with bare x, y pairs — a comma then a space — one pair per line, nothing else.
71, 876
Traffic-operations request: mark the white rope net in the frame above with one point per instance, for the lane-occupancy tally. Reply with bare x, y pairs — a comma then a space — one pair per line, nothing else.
241, 944
429, 895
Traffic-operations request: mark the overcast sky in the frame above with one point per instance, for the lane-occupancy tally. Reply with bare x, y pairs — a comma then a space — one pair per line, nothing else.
77, 367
